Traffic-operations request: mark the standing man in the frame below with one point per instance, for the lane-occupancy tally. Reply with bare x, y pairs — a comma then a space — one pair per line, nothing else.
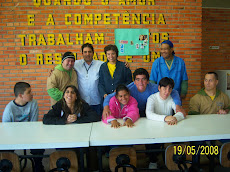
171, 66
62, 76
209, 100
88, 77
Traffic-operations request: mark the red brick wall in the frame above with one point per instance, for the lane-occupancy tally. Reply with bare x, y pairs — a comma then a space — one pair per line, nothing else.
22, 20
215, 32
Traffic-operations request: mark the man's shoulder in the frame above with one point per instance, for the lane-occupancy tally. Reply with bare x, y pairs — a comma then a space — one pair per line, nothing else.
176, 58
56, 71
13, 107
131, 86
197, 97
31, 104
34, 102
158, 60
223, 94
98, 63
80, 61
153, 96
151, 85
10, 105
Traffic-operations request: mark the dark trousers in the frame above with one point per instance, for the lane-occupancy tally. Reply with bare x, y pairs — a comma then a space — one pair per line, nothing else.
153, 155
38, 161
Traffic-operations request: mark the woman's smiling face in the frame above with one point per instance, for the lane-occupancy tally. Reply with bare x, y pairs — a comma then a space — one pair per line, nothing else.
70, 95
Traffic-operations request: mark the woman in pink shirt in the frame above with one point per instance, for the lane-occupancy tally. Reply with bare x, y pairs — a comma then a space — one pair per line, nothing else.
122, 105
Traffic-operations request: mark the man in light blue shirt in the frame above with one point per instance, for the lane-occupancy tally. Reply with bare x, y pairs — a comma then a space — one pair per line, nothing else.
88, 77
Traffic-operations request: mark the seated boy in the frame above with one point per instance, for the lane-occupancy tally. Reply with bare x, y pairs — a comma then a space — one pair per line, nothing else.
24, 109
160, 106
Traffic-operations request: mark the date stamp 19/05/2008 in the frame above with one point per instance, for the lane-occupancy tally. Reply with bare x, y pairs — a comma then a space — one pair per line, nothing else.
193, 150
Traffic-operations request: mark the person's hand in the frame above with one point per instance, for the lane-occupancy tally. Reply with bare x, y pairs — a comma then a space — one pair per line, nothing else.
115, 124
174, 122
126, 64
50, 72
105, 95
171, 120
106, 112
222, 111
129, 123
71, 118
180, 109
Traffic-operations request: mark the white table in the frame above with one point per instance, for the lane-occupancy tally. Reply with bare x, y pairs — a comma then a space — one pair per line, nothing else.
193, 128
35, 135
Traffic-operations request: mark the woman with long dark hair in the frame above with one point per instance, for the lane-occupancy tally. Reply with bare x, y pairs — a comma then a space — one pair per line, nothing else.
70, 109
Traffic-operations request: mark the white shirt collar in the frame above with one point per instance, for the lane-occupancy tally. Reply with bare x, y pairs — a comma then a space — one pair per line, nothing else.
83, 62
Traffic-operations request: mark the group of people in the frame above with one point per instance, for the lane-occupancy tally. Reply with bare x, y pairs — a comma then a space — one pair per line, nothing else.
79, 88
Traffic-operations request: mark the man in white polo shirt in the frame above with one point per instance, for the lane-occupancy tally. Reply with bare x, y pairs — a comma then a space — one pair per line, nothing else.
88, 77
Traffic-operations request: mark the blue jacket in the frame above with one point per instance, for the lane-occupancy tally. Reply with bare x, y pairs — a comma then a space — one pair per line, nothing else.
107, 84
177, 72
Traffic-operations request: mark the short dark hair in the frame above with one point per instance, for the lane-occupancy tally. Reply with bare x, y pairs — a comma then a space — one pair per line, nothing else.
87, 45
121, 87
20, 88
214, 73
164, 82
111, 47
141, 71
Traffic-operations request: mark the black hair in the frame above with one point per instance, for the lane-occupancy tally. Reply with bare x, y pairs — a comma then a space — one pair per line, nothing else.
20, 88
111, 47
214, 73
87, 45
141, 71
121, 87
78, 107
164, 82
